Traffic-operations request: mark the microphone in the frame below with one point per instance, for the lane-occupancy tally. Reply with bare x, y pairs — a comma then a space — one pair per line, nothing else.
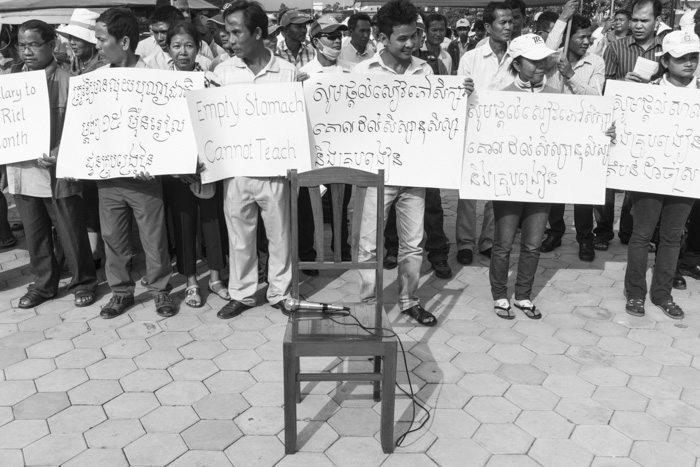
297, 305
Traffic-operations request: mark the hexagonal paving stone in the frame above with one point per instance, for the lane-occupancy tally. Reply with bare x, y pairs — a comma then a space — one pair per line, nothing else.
49, 348
674, 413
40, 406
313, 436
356, 451
682, 376
111, 368
202, 459
181, 393
255, 451
667, 356
511, 353
126, 348
101, 457
620, 346
76, 419
503, 336
139, 330
114, 433
603, 376
556, 364
220, 406
545, 424
447, 396
79, 358
10, 357
438, 372
30, 369
453, 452
204, 350
169, 340
568, 386
169, 419
637, 365
469, 343
230, 381
95, 392
145, 380
558, 452
620, 398
265, 394
687, 439
529, 397
519, 373
584, 411
193, 370
131, 405
95, 339
492, 410
509, 460
659, 454
640, 426
237, 360
244, 341
503, 438
211, 435
476, 363
158, 359
654, 388
543, 345
21, 340
483, 384
20, 433
54, 449
261, 421
155, 449
61, 380
211, 332
602, 440
355, 422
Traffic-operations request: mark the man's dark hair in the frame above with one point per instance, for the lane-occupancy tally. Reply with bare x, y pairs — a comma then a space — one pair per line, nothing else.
184, 27
516, 5
479, 25
46, 31
395, 13
545, 21
579, 22
656, 5
166, 14
490, 11
435, 17
622, 11
121, 22
254, 15
352, 21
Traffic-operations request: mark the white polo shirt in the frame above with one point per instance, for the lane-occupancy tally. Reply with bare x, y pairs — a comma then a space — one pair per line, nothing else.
482, 65
314, 66
234, 71
376, 66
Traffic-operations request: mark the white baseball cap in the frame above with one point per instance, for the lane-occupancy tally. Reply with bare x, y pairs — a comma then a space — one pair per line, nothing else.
462, 23
687, 22
679, 43
530, 46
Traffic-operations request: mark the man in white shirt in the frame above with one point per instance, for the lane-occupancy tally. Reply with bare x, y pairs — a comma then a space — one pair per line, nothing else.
244, 197
436, 28
358, 48
326, 37
160, 21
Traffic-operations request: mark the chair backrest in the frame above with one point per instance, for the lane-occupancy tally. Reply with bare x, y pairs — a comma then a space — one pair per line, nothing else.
337, 179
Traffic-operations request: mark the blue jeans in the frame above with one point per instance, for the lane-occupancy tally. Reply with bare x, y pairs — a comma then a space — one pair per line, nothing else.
508, 215
647, 210
410, 205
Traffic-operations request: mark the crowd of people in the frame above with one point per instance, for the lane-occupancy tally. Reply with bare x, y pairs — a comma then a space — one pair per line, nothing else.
239, 219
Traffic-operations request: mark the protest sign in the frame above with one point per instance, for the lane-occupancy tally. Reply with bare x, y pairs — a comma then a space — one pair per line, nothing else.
410, 126
250, 130
25, 131
536, 147
124, 121
658, 139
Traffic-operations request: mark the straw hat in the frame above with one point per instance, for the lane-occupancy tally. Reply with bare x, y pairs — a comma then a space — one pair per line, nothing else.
81, 25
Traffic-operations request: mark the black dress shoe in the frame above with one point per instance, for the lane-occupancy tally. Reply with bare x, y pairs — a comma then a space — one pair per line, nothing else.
679, 282
550, 243
116, 306
586, 251
390, 261
486, 252
165, 306
465, 257
232, 309
441, 268
693, 272
32, 299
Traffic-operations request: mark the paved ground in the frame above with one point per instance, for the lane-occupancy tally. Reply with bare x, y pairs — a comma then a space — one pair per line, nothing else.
587, 385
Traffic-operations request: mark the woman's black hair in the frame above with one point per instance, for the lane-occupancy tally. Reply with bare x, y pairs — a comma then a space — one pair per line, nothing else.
184, 27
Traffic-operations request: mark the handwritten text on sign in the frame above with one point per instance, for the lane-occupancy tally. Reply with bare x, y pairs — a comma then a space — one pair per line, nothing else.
124, 121
410, 126
24, 116
658, 139
536, 147
250, 130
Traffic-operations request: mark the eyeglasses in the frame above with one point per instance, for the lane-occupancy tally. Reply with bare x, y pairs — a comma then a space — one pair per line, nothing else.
334, 36
33, 46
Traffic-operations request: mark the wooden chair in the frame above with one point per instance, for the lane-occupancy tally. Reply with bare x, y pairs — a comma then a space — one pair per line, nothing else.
315, 335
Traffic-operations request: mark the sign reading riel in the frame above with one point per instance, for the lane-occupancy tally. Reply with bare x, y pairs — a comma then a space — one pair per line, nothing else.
124, 121
536, 147
658, 139
250, 130
410, 126
25, 127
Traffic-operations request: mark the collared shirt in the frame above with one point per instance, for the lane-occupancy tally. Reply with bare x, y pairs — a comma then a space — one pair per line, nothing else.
219, 59
314, 66
621, 56
163, 61
140, 63
588, 79
349, 53
234, 71
27, 178
482, 65
663, 81
305, 55
376, 66
149, 46
444, 57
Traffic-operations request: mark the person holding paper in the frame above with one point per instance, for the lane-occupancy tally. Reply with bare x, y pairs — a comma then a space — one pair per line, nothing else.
679, 60
398, 33
42, 200
117, 33
245, 197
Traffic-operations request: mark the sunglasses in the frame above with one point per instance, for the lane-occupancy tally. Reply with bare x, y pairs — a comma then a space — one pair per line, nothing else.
334, 36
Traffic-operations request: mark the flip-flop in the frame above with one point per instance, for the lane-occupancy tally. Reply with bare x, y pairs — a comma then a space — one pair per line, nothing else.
531, 312
421, 315
503, 312
219, 289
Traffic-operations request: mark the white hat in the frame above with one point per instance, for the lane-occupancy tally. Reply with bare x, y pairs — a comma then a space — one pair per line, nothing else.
81, 25
419, 23
679, 43
530, 46
597, 34
687, 22
462, 23
662, 27
537, 16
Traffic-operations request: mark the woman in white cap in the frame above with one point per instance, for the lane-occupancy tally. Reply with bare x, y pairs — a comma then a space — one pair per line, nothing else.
681, 50
80, 33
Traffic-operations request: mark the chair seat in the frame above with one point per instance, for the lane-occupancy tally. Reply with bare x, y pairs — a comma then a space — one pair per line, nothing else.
315, 326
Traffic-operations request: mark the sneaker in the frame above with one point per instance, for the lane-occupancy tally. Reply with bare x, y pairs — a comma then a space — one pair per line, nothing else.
165, 306
441, 268
116, 306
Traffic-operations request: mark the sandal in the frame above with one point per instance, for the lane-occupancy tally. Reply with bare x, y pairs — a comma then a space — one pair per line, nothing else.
84, 298
9, 243
671, 309
601, 244
219, 289
502, 309
527, 307
192, 297
418, 313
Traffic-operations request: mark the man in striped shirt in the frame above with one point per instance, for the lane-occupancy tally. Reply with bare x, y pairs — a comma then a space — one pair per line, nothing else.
294, 48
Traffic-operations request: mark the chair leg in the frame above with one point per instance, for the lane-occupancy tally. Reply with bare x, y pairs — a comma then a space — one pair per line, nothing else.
298, 383
377, 369
290, 398
388, 398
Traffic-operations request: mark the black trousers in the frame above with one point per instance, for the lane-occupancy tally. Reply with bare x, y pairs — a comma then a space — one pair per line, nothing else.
583, 221
605, 217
